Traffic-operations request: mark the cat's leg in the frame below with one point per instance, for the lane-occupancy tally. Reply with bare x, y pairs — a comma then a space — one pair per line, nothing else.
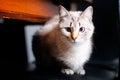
67, 71
81, 71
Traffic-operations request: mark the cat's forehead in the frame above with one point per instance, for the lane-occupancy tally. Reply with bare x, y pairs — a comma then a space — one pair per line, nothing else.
75, 13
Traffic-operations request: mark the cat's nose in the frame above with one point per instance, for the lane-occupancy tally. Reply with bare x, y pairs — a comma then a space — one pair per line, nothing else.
74, 37
73, 40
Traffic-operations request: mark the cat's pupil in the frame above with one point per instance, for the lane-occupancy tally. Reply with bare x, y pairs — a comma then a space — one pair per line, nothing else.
82, 29
68, 29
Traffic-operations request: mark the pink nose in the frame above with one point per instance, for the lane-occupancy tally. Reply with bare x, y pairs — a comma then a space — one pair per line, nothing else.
74, 38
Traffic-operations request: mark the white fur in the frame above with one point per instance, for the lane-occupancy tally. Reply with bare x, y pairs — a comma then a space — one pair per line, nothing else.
77, 56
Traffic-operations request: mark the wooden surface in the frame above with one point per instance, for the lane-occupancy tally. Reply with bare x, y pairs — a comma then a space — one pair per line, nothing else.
29, 10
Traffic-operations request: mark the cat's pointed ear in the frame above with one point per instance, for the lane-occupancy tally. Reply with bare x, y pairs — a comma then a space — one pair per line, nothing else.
88, 12
62, 11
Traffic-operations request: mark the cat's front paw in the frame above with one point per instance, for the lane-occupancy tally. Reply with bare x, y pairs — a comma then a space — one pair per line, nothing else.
81, 72
67, 71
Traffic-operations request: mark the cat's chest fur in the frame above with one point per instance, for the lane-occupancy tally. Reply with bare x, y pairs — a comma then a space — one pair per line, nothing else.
77, 55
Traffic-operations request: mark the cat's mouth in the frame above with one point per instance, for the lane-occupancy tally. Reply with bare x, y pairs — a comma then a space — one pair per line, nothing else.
74, 42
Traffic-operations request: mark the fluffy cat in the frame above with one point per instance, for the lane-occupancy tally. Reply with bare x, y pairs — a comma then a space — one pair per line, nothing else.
67, 37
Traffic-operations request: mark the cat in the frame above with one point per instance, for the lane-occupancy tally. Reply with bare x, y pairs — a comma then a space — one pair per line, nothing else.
66, 37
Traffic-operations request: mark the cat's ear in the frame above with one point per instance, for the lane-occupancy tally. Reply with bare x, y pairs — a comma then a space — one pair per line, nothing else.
88, 12
62, 11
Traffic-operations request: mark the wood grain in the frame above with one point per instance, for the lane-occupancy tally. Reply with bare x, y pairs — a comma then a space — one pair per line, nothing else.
29, 10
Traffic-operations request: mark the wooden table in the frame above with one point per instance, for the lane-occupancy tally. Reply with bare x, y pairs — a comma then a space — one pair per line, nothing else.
29, 10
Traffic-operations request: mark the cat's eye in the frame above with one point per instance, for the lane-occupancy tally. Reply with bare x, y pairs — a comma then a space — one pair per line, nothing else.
68, 29
82, 29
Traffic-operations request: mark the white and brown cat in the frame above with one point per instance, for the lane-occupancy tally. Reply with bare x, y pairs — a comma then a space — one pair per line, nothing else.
68, 38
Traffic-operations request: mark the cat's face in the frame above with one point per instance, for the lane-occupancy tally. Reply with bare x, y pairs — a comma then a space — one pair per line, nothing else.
76, 26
